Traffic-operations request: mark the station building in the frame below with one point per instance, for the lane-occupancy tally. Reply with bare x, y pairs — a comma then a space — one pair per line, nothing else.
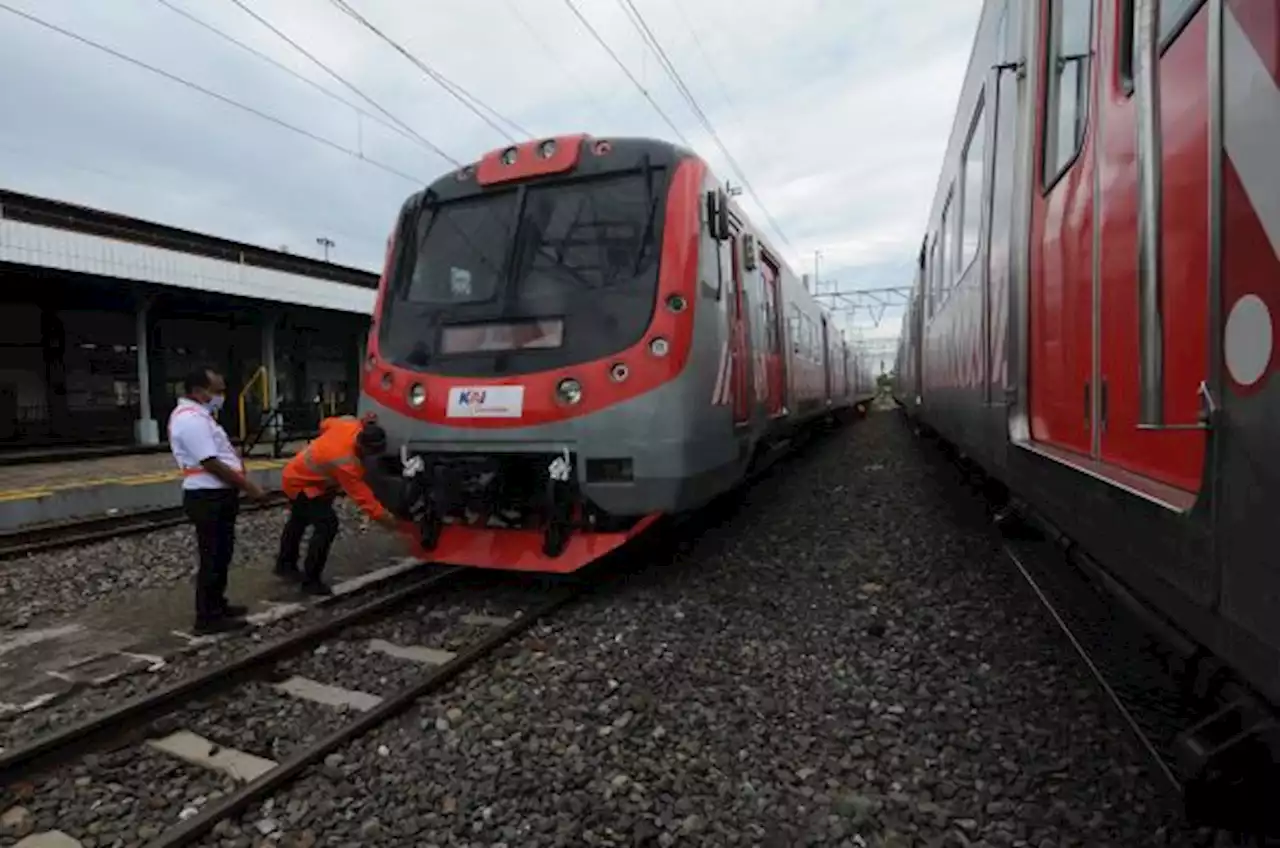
101, 315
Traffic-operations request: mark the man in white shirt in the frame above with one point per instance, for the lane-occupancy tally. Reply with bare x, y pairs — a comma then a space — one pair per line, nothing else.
212, 479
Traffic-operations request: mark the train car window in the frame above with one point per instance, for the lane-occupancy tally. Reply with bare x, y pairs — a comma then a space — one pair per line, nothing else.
1067, 92
975, 161
1174, 17
946, 252
931, 279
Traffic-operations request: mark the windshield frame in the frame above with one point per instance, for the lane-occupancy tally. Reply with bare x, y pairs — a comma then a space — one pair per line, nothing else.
423, 209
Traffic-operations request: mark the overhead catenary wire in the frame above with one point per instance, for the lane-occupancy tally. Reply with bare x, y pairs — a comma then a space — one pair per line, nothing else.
285, 68
706, 58
669, 68
556, 57
222, 98
647, 96
466, 98
337, 76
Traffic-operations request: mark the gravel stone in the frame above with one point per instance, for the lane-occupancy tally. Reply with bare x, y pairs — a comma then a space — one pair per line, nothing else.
43, 585
843, 657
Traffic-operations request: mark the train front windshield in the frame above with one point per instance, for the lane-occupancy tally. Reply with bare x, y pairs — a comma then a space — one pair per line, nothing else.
527, 279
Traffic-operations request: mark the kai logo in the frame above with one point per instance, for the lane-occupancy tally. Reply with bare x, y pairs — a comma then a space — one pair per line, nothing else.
486, 402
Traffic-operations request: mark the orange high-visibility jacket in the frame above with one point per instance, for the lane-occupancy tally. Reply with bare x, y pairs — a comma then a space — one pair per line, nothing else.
330, 463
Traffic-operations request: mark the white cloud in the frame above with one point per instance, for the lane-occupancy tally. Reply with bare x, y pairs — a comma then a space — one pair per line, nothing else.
837, 111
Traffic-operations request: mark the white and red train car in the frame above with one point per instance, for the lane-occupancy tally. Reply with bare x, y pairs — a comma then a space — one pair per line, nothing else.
574, 336
1094, 309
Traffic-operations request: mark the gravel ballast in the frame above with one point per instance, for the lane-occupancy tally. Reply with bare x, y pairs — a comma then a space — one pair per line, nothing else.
45, 585
848, 660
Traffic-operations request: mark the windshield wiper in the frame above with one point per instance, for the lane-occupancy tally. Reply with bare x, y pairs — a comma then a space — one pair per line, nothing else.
651, 201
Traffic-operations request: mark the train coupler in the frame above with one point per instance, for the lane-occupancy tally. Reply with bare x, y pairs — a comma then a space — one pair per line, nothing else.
422, 498
560, 506
1229, 771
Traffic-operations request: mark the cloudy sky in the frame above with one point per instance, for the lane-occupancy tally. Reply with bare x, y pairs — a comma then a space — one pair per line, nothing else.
836, 110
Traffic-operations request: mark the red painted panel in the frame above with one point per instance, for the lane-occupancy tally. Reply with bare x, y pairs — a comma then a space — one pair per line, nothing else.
677, 275
1061, 286
518, 550
529, 162
1171, 456
1249, 266
1260, 21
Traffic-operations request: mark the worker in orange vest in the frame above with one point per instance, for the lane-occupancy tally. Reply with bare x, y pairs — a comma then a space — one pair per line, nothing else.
331, 464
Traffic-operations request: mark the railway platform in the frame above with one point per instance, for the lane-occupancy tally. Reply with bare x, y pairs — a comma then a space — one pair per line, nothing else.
34, 494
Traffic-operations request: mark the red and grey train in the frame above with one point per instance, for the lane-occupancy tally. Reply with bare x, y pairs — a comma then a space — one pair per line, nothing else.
1094, 305
576, 335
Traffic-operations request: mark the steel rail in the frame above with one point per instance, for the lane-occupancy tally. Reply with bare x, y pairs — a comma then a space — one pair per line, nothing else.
186, 832
61, 745
48, 537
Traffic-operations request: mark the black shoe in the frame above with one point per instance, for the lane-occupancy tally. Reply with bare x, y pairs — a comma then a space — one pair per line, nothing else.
205, 627
316, 587
293, 575
234, 610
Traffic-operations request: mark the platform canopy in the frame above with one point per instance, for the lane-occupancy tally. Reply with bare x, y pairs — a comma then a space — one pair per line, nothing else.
42, 233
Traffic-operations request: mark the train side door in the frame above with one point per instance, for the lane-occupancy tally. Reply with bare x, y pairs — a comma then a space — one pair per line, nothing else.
1172, 450
773, 363
1060, 296
739, 341
1005, 108
825, 353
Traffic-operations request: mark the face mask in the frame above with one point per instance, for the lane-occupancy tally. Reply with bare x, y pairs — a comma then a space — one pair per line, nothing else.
215, 404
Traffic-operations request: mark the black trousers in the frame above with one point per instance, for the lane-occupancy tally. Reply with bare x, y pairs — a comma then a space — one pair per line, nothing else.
307, 512
213, 512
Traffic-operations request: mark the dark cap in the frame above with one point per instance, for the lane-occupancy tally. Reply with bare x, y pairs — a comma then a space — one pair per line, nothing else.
372, 438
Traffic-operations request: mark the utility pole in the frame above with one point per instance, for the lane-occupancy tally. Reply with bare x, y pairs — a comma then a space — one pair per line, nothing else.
817, 279
325, 243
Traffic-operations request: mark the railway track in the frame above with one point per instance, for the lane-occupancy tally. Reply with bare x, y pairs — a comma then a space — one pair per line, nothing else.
67, 534
1137, 663
420, 638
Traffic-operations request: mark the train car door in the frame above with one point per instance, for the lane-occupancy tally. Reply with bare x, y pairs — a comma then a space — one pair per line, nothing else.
1060, 344
739, 341
1171, 451
1005, 108
825, 353
773, 338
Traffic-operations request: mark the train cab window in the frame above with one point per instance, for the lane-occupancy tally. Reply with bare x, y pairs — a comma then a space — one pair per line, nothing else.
1174, 16
975, 161
1067, 91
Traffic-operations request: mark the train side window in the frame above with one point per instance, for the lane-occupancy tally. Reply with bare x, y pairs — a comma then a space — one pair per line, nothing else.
1067, 93
946, 252
931, 279
971, 183
1174, 17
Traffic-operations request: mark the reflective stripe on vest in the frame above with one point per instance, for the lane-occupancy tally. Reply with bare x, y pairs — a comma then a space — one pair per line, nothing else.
323, 468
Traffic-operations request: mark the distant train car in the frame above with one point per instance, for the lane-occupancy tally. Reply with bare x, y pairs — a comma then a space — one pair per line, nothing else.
1094, 306
574, 336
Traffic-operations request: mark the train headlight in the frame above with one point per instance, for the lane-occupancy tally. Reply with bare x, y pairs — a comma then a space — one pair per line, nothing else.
619, 372
417, 395
369, 362
677, 303
569, 391
659, 347
547, 149
509, 156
